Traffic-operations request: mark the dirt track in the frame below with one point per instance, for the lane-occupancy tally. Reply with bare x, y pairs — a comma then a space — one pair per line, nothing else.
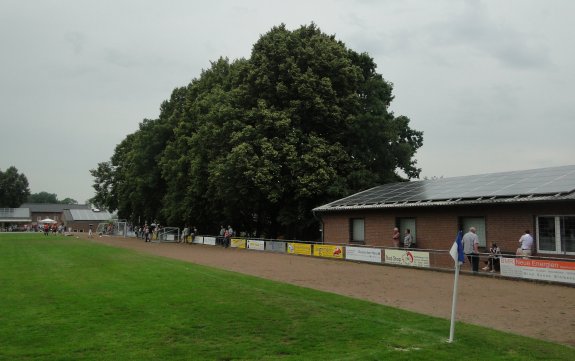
531, 309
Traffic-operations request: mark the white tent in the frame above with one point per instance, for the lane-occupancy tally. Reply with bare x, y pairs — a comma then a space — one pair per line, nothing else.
47, 220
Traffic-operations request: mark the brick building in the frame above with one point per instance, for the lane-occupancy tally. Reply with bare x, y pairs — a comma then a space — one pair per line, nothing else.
500, 205
54, 211
79, 220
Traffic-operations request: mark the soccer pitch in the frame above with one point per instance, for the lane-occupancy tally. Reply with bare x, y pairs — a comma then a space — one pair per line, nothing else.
67, 299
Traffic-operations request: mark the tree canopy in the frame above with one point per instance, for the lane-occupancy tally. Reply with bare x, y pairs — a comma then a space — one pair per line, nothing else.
45, 197
259, 142
13, 188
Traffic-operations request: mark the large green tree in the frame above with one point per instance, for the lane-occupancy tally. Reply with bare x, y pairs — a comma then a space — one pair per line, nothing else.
259, 142
14, 188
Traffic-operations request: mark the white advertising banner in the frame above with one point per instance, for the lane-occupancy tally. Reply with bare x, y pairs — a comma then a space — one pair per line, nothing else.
210, 241
198, 239
364, 254
407, 258
543, 270
256, 244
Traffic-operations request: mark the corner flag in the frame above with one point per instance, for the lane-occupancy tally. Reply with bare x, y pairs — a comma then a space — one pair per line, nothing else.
456, 253
456, 250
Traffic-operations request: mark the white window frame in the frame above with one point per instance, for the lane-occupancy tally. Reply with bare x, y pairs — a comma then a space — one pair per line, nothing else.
557, 234
353, 230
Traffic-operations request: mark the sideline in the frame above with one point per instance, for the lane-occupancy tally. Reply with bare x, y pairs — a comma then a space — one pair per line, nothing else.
533, 309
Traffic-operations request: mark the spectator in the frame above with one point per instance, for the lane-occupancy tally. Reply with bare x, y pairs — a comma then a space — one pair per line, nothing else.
526, 242
471, 248
407, 239
395, 237
493, 262
184, 237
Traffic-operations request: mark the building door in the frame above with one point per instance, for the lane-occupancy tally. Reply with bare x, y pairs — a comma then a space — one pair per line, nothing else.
407, 223
479, 224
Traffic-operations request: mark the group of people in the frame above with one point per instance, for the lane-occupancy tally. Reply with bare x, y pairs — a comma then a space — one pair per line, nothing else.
188, 234
53, 228
150, 232
147, 232
471, 249
408, 241
226, 235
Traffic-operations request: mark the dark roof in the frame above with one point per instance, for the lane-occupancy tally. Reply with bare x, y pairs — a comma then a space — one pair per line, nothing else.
15, 215
86, 215
52, 207
556, 183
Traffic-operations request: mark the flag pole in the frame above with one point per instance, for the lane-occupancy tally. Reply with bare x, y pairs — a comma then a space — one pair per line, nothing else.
454, 304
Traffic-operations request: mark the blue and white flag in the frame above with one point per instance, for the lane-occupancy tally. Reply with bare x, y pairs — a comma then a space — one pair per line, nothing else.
456, 250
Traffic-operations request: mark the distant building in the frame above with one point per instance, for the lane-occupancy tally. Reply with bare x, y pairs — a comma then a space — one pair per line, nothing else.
54, 211
18, 218
79, 220
501, 206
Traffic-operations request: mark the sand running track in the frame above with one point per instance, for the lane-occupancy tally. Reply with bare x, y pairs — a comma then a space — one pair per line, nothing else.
538, 310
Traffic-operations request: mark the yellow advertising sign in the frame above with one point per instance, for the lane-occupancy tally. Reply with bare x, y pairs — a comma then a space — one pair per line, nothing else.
238, 243
299, 248
323, 250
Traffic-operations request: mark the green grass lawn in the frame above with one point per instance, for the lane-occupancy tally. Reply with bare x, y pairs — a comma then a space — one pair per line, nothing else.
69, 299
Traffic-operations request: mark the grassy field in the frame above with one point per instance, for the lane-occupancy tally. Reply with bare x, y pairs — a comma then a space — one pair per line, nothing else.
68, 299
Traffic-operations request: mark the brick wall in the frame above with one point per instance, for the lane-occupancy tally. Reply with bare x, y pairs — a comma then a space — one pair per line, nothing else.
436, 227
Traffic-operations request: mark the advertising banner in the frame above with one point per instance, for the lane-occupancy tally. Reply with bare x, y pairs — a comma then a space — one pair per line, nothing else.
198, 239
324, 250
407, 258
543, 270
299, 248
275, 246
258, 245
238, 243
364, 254
210, 241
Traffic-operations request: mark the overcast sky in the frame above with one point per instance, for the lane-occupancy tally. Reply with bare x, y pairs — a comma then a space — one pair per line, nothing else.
490, 83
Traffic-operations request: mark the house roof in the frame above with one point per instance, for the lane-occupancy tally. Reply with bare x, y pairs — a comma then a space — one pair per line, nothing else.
86, 215
15, 215
52, 207
545, 184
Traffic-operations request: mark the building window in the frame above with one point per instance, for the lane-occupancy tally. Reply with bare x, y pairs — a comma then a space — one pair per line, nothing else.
479, 224
357, 230
556, 234
406, 223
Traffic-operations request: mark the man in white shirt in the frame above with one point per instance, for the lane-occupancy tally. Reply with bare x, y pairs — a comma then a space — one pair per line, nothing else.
471, 248
526, 242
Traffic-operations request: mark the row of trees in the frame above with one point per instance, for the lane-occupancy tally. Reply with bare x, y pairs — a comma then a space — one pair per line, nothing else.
45, 197
260, 142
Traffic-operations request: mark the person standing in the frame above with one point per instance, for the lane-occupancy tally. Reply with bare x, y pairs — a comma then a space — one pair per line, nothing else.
407, 239
471, 248
395, 237
222, 238
146, 233
90, 234
526, 242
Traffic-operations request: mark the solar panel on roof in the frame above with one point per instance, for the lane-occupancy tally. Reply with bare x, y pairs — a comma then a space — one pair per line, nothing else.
506, 184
